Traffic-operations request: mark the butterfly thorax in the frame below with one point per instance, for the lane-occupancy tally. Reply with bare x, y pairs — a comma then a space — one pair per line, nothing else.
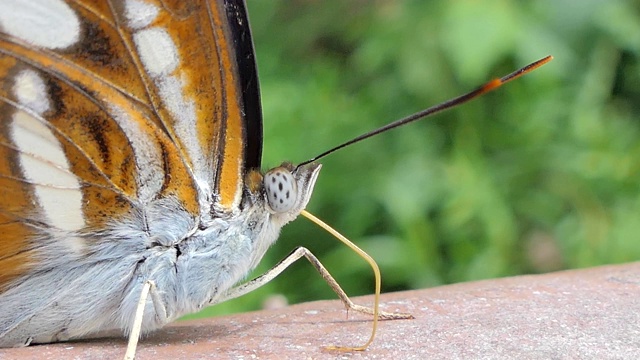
232, 244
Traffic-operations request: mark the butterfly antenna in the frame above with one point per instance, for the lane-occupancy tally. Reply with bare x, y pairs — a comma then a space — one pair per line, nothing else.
489, 86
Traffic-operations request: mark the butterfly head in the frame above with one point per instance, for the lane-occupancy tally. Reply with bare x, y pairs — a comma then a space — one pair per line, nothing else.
285, 190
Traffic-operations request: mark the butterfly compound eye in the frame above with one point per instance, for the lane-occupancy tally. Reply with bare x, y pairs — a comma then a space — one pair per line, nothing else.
281, 188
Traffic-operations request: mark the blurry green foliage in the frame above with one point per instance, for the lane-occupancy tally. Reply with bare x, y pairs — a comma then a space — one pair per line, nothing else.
541, 175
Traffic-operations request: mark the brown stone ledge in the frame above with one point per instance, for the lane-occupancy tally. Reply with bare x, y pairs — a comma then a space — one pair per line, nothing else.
579, 314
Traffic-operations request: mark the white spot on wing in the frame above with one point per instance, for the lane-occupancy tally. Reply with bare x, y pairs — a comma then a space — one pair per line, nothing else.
30, 90
50, 24
157, 51
140, 14
42, 159
150, 173
184, 114
160, 58
44, 164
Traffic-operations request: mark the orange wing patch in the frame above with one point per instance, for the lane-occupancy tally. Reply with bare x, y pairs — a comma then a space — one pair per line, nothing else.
190, 72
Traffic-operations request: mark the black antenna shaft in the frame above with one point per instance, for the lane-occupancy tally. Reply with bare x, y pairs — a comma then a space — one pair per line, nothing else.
489, 86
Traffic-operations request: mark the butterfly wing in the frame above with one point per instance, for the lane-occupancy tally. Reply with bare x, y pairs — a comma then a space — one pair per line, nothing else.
107, 108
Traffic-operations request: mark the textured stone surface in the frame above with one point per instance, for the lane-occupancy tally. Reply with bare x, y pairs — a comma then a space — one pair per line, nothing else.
579, 314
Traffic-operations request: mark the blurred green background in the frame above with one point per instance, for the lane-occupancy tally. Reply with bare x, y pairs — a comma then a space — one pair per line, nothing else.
538, 176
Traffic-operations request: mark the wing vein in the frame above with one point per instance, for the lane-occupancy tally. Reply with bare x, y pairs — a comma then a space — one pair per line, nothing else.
57, 131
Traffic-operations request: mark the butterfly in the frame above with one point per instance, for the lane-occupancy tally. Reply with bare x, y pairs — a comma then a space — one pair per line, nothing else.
131, 143
130, 154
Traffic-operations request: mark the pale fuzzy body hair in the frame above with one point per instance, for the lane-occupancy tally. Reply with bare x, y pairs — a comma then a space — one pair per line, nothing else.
191, 266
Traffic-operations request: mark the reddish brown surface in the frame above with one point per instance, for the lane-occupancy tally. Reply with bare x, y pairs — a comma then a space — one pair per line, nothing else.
579, 314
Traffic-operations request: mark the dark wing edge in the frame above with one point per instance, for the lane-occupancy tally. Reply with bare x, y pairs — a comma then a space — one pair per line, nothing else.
247, 70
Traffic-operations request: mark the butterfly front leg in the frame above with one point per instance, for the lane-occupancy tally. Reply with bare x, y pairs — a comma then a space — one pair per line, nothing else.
294, 256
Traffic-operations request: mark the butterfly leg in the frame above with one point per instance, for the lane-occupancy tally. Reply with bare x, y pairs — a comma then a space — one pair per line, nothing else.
297, 254
149, 287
